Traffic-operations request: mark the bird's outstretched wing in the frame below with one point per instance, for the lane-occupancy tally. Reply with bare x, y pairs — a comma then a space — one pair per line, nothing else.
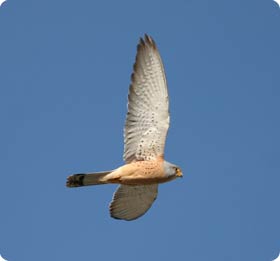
131, 202
147, 119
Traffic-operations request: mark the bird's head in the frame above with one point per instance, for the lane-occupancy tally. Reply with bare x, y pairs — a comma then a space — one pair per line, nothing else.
172, 170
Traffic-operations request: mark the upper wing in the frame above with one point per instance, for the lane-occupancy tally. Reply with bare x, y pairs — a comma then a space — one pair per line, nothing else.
147, 119
131, 202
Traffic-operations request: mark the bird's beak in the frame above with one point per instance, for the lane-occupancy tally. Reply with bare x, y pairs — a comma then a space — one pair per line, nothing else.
179, 173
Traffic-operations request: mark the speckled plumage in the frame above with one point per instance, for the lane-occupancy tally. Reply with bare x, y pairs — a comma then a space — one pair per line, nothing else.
146, 127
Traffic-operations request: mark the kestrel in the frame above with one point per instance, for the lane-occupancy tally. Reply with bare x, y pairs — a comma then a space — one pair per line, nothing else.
146, 126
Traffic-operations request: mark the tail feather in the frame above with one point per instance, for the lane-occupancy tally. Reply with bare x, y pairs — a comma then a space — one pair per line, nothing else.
79, 180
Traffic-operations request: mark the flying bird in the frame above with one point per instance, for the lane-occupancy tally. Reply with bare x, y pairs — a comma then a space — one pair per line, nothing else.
146, 126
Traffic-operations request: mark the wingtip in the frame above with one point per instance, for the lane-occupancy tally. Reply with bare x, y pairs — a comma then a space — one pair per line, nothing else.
147, 40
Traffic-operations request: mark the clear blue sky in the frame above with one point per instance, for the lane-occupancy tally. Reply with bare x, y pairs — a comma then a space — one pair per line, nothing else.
64, 74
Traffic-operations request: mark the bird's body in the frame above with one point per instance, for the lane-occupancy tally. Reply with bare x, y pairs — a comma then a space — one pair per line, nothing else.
146, 127
135, 173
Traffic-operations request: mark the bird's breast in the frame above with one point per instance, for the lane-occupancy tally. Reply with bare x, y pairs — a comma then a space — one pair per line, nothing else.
139, 173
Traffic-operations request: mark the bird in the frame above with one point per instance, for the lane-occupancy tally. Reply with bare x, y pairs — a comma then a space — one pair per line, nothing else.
145, 131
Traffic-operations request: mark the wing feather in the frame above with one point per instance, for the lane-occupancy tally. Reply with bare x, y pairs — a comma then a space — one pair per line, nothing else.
147, 119
131, 202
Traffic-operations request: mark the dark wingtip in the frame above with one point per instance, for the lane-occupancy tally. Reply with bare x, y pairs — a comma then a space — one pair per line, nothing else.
75, 181
147, 40
150, 41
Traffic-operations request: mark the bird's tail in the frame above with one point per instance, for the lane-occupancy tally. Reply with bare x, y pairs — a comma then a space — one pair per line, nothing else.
79, 180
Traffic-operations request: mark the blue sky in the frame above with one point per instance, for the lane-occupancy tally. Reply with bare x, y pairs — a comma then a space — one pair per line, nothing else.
64, 74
